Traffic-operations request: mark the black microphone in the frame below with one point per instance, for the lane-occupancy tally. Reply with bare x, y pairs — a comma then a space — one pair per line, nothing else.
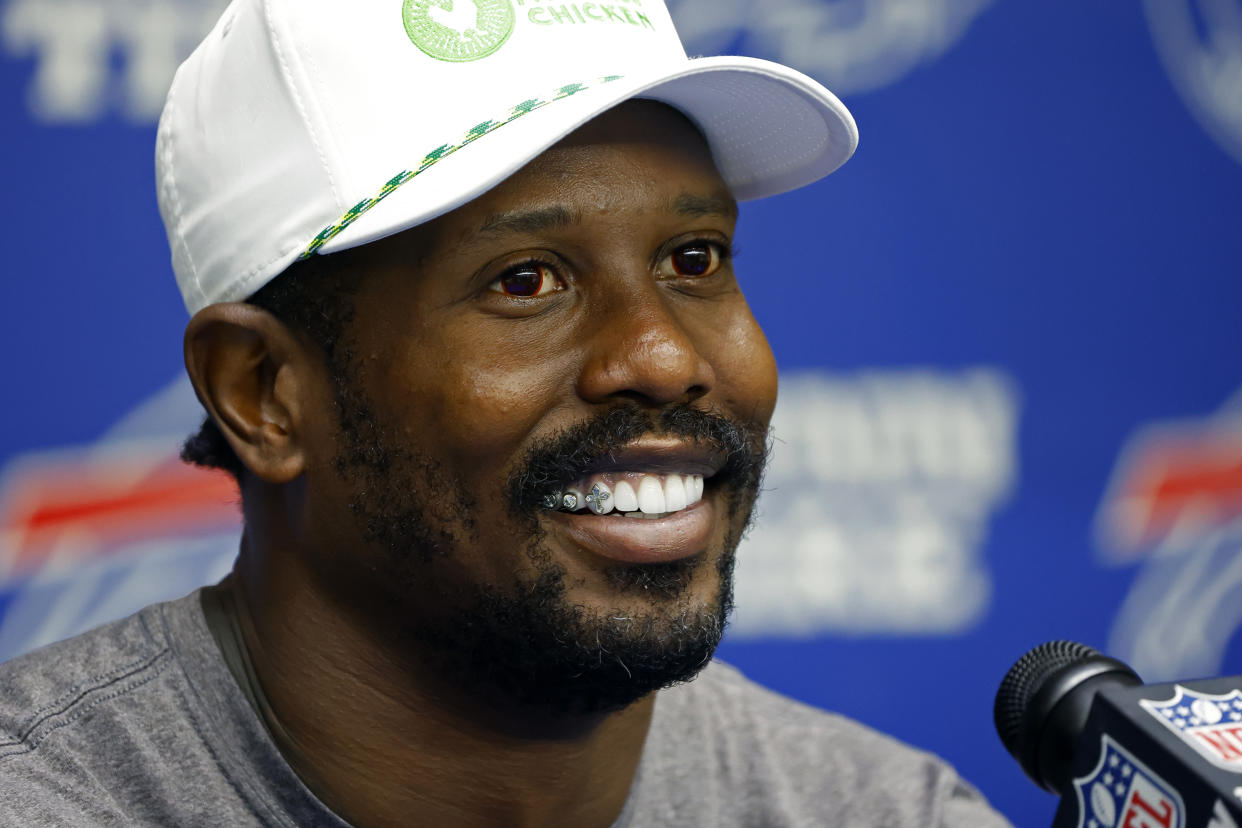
1122, 754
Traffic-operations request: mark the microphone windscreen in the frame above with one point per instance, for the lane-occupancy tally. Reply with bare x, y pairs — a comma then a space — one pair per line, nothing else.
1043, 703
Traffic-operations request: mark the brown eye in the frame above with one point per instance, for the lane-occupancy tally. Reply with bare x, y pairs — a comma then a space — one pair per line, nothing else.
527, 279
696, 259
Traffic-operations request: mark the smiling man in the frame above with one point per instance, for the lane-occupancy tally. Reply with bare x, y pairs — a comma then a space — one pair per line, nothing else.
469, 336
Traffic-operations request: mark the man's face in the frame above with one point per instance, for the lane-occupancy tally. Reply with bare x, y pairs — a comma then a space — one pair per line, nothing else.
580, 324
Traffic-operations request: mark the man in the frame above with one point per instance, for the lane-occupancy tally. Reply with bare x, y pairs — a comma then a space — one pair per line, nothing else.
497, 410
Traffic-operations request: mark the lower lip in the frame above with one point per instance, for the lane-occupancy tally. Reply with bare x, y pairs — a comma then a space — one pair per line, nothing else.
642, 540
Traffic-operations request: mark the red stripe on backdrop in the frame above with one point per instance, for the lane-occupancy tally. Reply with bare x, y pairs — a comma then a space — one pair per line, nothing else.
89, 508
1179, 478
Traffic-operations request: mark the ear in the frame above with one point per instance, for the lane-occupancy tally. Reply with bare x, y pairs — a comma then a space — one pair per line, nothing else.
250, 373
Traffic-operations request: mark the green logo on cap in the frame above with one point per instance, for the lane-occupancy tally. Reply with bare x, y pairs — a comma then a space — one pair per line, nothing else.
458, 30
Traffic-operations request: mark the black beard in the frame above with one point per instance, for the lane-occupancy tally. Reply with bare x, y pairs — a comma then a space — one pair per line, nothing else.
527, 642
537, 649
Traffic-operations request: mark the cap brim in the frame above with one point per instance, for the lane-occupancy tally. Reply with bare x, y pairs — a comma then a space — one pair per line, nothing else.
770, 128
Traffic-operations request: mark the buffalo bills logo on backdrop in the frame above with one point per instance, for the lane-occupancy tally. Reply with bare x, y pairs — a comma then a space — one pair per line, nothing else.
851, 45
1175, 505
1211, 724
1122, 792
91, 534
1200, 44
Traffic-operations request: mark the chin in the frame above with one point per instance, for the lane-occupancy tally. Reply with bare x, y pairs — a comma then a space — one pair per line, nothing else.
547, 646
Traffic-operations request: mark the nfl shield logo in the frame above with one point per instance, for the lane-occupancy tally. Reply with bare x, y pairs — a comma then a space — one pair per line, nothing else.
1212, 725
1122, 791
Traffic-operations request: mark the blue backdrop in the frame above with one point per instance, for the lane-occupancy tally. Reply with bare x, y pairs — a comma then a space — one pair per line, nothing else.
1009, 332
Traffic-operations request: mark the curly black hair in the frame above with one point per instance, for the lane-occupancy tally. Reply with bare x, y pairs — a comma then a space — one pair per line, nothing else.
314, 297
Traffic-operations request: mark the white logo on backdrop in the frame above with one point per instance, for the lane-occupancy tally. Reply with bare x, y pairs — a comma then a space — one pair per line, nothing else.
1200, 44
92, 57
1175, 504
875, 508
852, 46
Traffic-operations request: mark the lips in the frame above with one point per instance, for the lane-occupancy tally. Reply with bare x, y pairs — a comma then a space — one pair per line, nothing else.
671, 537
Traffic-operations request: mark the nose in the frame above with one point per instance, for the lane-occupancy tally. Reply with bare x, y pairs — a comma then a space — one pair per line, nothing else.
642, 351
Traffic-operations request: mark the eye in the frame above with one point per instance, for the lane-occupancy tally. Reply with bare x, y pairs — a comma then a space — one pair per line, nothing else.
526, 280
694, 259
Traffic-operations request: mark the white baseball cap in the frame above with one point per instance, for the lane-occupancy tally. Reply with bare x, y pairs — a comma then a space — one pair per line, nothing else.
301, 127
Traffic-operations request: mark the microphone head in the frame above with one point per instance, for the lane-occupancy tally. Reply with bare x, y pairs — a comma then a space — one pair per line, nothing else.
1043, 703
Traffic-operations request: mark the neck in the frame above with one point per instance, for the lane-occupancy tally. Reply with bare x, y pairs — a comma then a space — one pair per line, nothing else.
384, 742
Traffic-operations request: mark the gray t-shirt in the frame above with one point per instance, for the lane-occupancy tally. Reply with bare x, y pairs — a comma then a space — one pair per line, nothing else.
140, 722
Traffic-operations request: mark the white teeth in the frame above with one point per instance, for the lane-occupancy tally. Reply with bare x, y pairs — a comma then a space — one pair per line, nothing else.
600, 500
633, 494
623, 497
651, 495
674, 493
694, 488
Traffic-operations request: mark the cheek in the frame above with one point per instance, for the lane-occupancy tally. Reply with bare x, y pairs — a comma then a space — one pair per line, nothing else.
492, 408
477, 409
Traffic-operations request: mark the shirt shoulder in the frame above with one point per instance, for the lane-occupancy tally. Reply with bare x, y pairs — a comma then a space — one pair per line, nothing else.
761, 758
101, 729
63, 714
55, 686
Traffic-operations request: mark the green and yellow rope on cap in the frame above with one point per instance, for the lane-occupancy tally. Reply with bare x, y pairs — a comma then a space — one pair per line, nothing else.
443, 151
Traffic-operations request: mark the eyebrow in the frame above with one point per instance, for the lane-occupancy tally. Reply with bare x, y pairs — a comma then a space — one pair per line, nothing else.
691, 204
528, 221
555, 217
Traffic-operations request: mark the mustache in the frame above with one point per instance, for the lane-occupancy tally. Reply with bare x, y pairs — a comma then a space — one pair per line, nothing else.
574, 451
